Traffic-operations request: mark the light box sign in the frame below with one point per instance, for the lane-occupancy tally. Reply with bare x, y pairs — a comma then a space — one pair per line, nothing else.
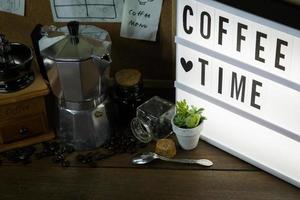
245, 71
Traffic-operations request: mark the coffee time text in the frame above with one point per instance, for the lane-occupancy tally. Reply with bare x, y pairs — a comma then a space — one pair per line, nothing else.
204, 30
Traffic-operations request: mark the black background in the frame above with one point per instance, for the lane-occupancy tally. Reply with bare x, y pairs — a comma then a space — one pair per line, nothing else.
280, 11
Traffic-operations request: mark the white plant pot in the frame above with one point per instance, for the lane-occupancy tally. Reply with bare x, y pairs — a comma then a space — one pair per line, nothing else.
188, 138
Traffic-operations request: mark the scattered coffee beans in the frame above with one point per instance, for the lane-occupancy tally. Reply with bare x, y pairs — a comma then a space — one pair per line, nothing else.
123, 142
91, 158
21, 155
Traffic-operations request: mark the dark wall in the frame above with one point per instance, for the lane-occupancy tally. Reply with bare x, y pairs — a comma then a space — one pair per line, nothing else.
153, 59
277, 10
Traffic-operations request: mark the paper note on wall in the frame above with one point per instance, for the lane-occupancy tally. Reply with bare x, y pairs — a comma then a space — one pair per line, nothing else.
13, 6
87, 10
140, 19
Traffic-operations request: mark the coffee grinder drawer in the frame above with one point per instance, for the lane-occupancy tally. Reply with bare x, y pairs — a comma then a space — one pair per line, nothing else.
21, 128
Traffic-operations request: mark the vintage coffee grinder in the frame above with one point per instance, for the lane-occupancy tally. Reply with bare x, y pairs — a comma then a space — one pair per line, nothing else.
23, 116
77, 60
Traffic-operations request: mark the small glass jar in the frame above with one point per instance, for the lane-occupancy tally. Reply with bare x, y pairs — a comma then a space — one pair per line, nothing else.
153, 120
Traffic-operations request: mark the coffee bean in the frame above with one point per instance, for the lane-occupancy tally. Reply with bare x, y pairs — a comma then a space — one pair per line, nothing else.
84, 161
48, 149
55, 160
122, 142
80, 158
65, 163
60, 157
22, 157
54, 146
11, 156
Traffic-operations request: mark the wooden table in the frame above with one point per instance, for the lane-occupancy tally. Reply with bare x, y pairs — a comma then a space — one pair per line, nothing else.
116, 178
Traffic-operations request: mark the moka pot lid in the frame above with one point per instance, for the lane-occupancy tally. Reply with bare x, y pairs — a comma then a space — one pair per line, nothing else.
76, 43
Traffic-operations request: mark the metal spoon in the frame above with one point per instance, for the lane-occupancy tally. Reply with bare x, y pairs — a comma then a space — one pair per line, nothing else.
147, 157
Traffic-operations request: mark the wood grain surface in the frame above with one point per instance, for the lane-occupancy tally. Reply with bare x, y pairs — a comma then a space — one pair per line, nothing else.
116, 178
127, 183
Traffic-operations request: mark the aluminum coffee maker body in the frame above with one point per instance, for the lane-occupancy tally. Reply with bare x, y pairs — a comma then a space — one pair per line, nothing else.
77, 60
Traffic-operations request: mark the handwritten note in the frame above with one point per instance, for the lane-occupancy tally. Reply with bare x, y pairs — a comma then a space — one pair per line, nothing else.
140, 19
87, 10
13, 6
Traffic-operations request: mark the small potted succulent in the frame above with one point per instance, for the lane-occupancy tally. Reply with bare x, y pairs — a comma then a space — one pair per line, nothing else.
187, 124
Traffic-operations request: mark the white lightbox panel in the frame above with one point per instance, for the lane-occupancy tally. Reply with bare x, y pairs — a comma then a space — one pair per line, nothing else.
268, 137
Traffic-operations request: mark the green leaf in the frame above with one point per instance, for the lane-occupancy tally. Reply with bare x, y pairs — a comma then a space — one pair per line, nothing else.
182, 107
192, 120
179, 120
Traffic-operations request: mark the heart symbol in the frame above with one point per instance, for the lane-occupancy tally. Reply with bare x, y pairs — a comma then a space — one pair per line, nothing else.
187, 66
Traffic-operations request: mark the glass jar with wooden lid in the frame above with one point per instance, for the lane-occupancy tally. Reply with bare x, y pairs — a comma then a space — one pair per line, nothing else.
128, 93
